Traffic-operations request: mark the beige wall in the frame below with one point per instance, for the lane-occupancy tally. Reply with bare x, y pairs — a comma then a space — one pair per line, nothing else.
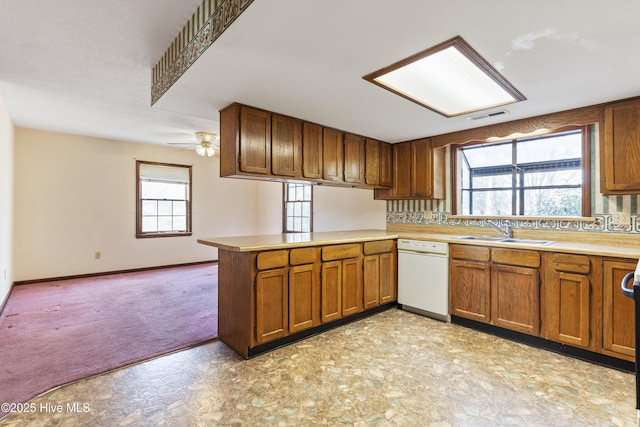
75, 196
6, 202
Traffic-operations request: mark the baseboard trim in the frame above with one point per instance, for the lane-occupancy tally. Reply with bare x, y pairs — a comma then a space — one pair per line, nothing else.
6, 298
567, 350
107, 273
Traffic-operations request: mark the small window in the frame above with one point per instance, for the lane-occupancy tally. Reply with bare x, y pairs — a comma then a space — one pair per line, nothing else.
540, 176
163, 200
298, 207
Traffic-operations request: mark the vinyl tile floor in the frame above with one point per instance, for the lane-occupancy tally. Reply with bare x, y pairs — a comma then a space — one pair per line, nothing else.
391, 369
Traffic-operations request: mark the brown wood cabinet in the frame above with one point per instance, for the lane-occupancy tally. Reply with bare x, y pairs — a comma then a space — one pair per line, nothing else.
342, 285
245, 141
497, 286
258, 144
567, 310
286, 146
620, 165
272, 308
354, 161
311, 151
332, 148
380, 277
470, 279
618, 332
418, 172
352, 286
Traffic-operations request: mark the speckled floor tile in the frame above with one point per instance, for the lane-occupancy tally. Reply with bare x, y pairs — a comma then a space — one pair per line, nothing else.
392, 369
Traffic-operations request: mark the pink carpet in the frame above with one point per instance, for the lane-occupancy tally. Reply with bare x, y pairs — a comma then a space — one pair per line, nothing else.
57, 332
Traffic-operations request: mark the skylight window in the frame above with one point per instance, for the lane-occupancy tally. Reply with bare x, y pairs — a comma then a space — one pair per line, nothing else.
451, 79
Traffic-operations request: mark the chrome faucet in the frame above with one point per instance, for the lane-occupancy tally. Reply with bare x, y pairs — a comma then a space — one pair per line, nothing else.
507, 227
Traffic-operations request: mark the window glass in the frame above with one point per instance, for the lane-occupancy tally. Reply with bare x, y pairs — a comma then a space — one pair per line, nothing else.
164, 205
539, 176
297, 208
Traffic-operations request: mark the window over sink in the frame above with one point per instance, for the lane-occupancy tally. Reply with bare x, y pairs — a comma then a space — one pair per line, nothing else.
540, 176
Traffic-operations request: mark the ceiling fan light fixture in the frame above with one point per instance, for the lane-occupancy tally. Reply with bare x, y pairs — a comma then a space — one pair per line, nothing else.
207, 147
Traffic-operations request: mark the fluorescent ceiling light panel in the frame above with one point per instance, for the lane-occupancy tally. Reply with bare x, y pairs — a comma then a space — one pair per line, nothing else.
451, 79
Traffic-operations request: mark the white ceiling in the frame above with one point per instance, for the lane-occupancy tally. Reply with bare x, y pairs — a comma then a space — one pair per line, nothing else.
84, 66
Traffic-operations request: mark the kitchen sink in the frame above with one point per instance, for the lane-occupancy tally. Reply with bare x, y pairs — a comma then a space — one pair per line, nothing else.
508, 240
482, 238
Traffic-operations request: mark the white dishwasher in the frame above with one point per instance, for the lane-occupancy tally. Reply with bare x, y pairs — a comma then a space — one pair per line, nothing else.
423, 278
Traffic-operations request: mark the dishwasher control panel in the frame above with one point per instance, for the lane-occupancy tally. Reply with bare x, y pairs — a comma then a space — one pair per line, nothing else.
424, 246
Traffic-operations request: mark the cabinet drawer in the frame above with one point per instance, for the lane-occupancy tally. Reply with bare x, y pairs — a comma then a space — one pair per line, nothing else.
472, 253
570, 263
331, 253
303, 256
379, 247
272, 259
520, 257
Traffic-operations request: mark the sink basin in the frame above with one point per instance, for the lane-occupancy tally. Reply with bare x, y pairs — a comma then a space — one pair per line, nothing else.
527, 241
508, 240
482, 238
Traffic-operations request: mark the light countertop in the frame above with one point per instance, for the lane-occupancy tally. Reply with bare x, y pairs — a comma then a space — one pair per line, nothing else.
292, 240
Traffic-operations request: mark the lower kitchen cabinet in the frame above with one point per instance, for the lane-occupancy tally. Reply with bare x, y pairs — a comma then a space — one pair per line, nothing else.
303, 304
380, 273
567, 311
470, 282
331, 291
515, 298
618, 332
496, 286
341, 281
271, 305
351, 286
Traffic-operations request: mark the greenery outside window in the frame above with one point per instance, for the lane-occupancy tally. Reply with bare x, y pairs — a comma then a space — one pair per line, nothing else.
298, 207
536, 176
163, 198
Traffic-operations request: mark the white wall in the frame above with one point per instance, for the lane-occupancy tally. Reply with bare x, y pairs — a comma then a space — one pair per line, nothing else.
337, 208
6, 202
75, 196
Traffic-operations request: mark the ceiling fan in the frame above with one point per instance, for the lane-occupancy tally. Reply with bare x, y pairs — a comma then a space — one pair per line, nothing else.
206, 146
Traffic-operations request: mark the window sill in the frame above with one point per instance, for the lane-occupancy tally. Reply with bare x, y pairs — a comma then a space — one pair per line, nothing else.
149, 235
527, 218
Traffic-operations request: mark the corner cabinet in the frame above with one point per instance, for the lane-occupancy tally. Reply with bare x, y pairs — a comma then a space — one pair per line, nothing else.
620, 164
245, 141
418, 172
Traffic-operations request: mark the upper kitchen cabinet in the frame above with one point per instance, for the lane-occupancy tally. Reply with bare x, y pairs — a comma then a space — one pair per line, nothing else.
354, 159
332, 155
286, 146
621, 149
377, 168
245, 141
311, 151
418, 172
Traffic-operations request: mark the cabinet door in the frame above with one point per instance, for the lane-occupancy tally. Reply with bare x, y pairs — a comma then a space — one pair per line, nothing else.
332, 145
331, 291
255, 141
311, 151
388, 283
286, 140
351, 286
302, 305
618, 330
402, 170
622, 147
271, 305
372, 162
371, 281
574, 314
470, 288
353, 159
515, 298
386, 162
421, 168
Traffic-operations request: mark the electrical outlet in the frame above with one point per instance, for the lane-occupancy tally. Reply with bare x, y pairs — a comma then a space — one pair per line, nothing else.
428, 215
621, 218
98, 255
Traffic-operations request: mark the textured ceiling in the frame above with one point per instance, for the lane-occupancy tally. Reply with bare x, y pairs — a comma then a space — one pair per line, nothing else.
84, 66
